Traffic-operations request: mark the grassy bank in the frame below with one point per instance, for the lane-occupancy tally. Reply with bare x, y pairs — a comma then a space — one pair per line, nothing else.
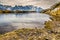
17, 11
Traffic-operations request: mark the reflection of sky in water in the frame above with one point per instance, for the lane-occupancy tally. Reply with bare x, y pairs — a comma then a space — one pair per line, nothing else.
31, 17
27, 20
10, 22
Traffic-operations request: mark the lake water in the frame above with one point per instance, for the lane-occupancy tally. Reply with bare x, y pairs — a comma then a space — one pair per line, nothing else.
27, 20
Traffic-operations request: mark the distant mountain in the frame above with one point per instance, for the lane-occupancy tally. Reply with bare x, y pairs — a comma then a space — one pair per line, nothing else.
2, 7
21, 8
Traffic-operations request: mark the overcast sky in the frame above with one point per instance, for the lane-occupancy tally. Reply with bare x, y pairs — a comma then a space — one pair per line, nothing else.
41, 3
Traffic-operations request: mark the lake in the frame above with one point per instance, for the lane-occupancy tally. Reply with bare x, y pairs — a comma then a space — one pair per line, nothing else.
12, 21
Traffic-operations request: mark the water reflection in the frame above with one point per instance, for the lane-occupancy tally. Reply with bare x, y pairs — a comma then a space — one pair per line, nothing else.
31, 17
17, 21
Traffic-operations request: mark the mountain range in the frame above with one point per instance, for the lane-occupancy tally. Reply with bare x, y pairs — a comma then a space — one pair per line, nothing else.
21, 8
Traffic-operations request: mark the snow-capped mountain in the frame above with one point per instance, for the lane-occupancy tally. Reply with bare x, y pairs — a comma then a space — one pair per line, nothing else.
21, 8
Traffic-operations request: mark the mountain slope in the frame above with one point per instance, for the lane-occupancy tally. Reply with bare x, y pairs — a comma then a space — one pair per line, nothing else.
54, 10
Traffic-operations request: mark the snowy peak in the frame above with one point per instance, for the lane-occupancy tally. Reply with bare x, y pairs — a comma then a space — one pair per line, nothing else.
21, 8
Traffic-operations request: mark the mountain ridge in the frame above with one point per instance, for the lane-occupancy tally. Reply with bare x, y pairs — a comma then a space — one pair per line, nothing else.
53, 10
21, 8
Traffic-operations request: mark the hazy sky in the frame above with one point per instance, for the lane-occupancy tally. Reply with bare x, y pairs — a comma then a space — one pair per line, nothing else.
40, 3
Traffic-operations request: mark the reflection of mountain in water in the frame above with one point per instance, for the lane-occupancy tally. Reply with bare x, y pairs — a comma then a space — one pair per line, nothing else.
31, 20
30, 17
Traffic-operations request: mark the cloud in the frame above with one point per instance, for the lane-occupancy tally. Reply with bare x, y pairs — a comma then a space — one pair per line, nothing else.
41, 3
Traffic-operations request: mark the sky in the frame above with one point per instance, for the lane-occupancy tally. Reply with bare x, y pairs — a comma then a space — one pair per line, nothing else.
40, 3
